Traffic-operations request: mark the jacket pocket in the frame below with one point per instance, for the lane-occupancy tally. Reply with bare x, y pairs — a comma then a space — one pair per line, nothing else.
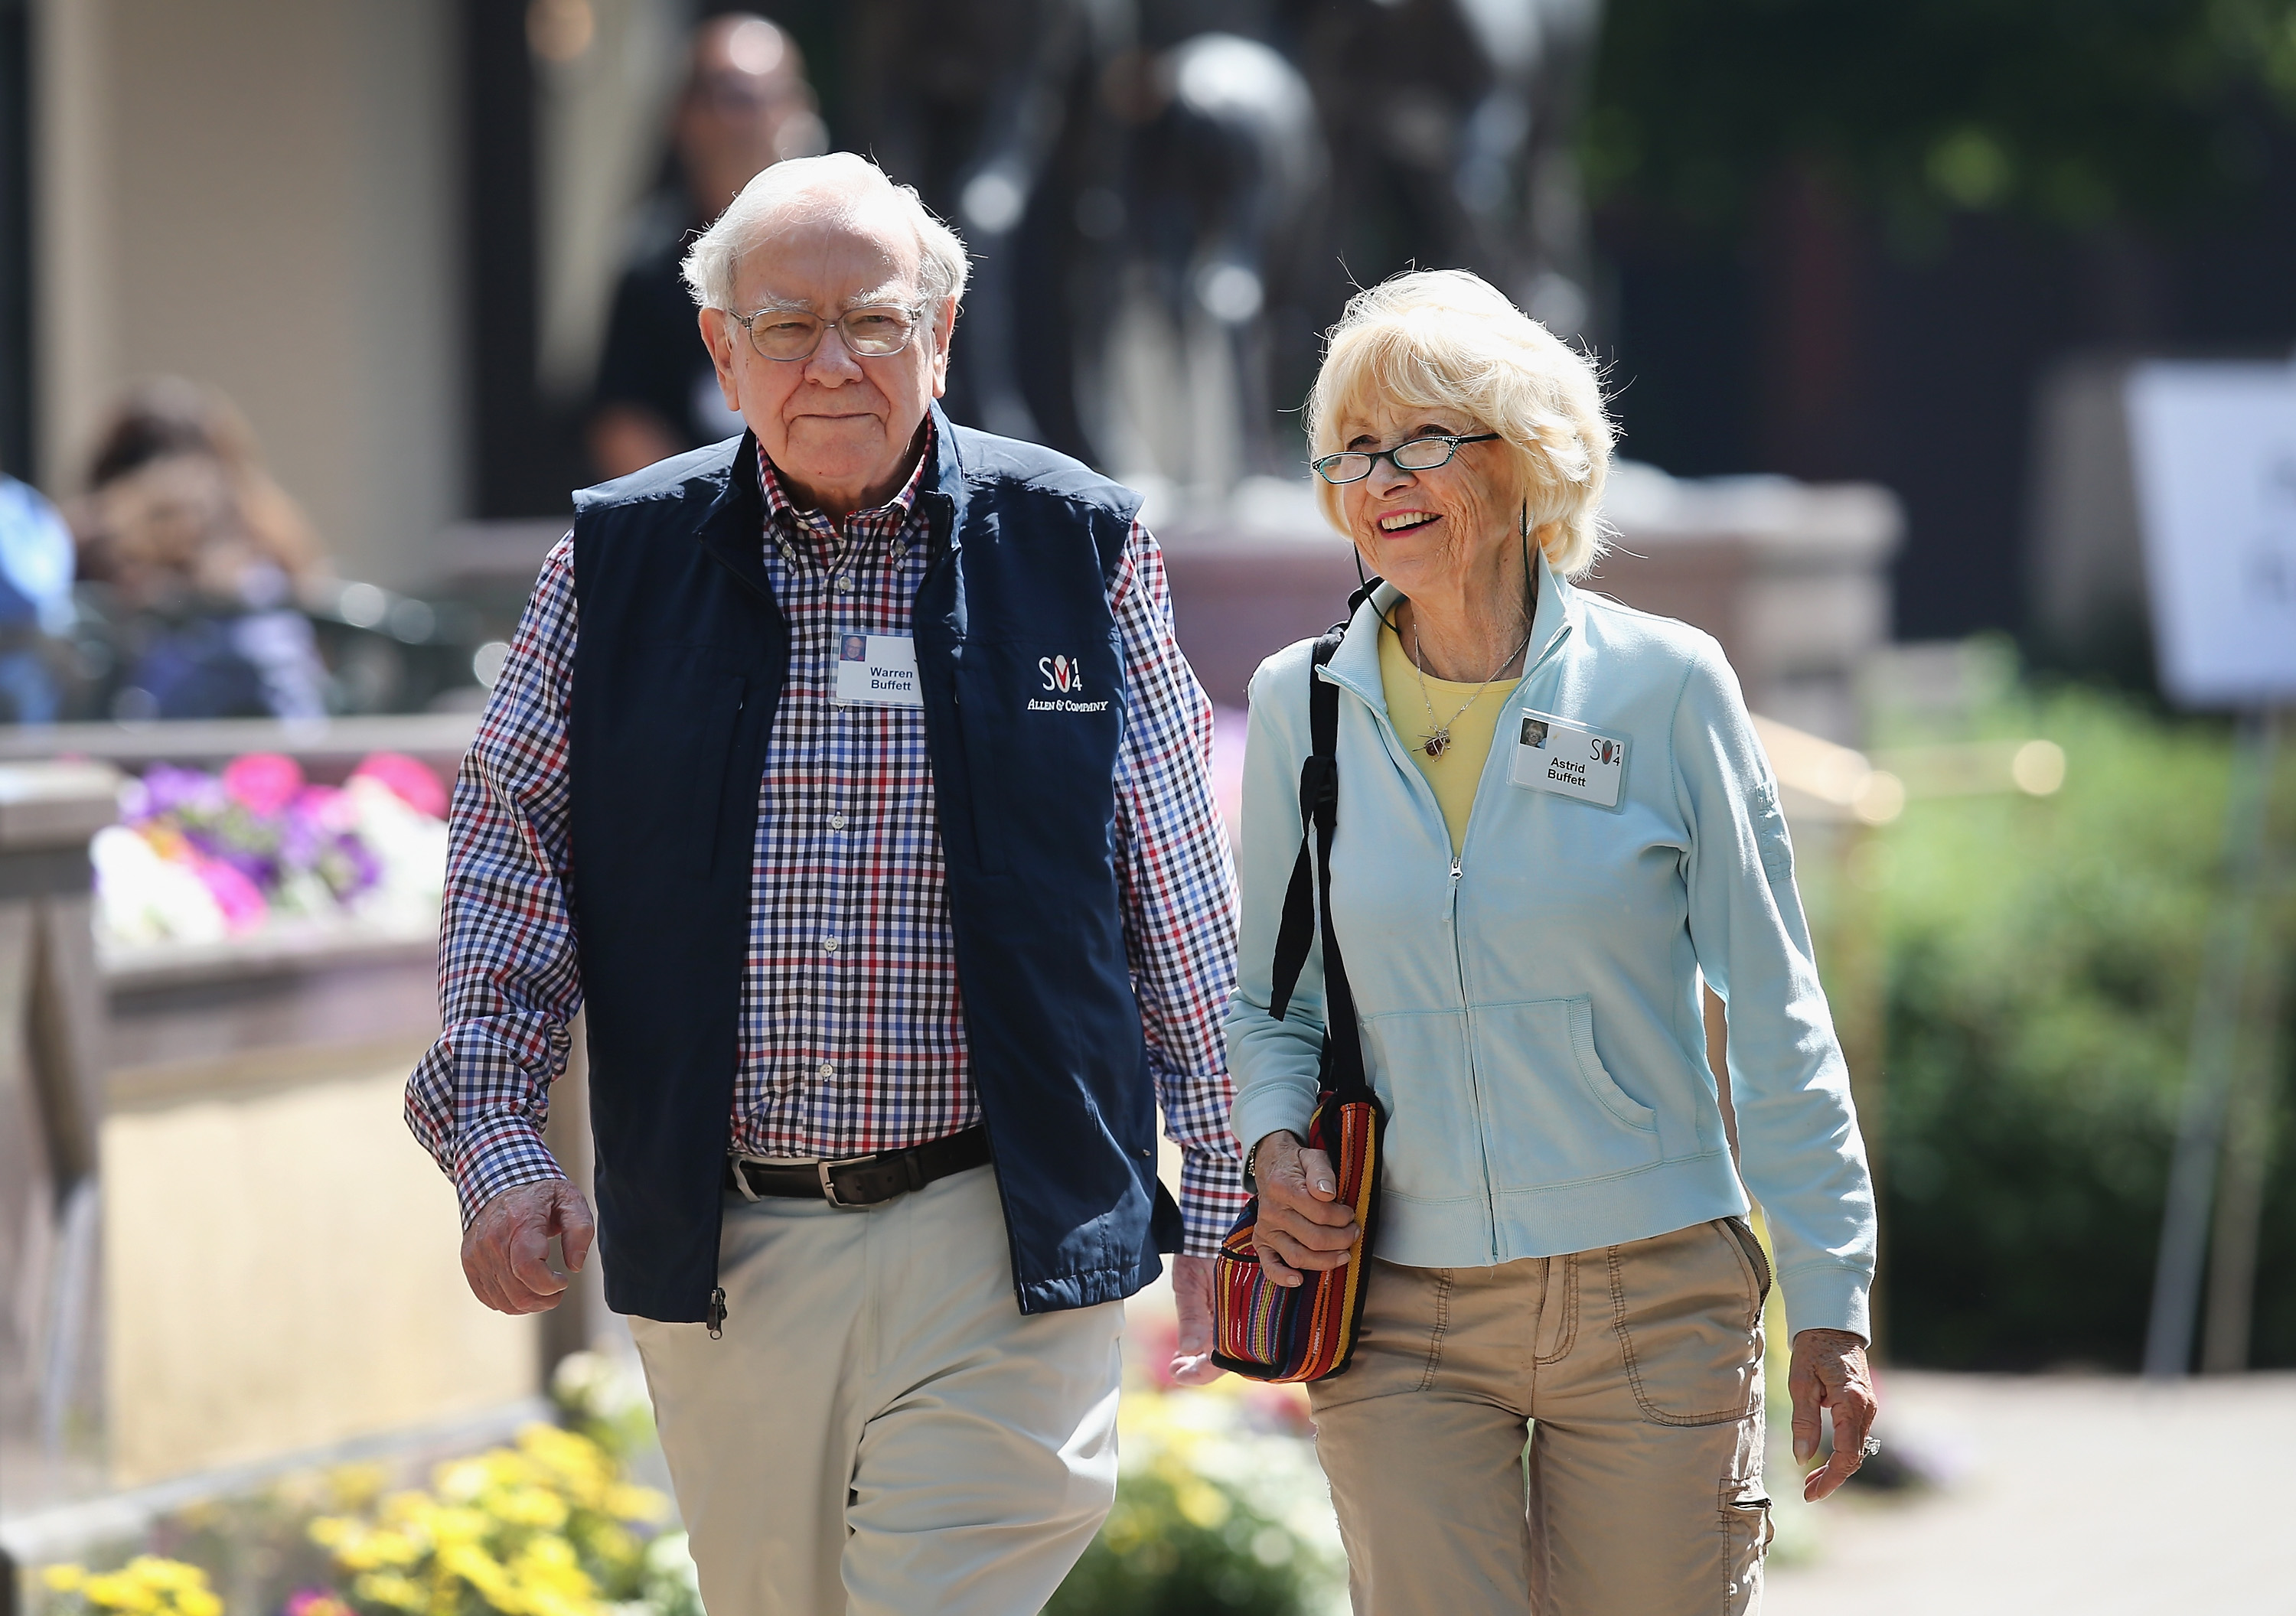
1552, 1114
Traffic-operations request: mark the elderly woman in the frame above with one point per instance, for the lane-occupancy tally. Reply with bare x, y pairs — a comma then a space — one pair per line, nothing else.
1554, 821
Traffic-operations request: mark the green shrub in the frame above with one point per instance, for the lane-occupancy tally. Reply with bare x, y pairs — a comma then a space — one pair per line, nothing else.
2042, 959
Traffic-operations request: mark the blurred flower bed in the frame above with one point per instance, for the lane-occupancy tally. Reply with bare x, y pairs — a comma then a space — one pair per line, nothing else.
200, 857
556, 1524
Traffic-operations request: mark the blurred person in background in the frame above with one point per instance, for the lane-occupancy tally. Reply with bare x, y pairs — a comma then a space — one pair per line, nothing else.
194, 559
745, 106
36, 580
1553, 818
882, 992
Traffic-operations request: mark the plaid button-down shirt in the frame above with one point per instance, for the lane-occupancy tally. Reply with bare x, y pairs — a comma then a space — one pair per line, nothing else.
851, 1036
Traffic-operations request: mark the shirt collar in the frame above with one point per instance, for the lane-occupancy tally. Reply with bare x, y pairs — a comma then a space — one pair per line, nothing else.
780, 508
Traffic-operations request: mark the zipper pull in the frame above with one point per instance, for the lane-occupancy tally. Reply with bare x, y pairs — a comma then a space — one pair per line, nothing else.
1455, 869
716, 1317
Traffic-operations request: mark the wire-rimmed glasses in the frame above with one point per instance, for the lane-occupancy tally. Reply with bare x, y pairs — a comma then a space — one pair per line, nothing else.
1419, 454
876, 331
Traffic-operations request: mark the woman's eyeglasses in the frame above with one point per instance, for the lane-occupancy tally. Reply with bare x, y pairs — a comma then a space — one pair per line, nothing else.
1420, 455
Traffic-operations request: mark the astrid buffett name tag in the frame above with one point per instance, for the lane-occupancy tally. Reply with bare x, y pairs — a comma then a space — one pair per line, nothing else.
877, 671
1554, 754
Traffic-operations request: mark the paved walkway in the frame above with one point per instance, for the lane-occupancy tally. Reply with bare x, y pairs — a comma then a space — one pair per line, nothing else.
2090, 1496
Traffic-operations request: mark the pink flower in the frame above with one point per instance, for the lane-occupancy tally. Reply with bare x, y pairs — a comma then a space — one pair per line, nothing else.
409, 780
262, 782
241, 902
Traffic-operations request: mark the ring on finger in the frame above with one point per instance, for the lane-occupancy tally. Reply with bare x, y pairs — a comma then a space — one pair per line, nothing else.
1871, 1445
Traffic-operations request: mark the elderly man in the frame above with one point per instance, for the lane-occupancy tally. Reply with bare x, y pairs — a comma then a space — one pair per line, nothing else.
869, 814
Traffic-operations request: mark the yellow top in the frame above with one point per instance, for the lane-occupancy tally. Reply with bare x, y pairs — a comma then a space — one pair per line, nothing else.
1456, 774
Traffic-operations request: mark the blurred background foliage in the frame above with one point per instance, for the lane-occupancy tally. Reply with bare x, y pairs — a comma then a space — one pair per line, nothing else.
2042, 957
2072, 113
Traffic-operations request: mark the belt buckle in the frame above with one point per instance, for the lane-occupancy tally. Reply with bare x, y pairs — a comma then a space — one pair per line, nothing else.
829, 1184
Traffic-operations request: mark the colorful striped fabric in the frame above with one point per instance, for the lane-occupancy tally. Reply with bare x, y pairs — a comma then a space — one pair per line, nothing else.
1266, 1331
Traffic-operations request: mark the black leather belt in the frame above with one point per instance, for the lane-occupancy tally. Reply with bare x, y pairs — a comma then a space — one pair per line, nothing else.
861, 1181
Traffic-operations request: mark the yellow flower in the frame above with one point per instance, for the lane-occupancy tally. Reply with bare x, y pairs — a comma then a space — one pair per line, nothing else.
391, 1589
64, 1578
1203, 1505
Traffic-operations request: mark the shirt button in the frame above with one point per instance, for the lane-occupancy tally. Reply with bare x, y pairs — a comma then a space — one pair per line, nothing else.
837, 821
825, 1072
831, 944
845, 583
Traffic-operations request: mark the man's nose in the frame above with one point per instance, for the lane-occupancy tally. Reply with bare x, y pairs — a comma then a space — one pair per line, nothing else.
832, 362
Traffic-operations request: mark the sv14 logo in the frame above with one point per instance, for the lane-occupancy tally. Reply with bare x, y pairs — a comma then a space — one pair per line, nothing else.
1061, 674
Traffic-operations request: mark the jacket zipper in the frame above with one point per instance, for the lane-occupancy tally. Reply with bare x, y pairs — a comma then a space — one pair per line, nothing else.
716, 1317
1474, 1071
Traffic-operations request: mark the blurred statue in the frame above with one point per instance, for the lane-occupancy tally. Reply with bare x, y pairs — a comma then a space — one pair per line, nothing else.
194, 559
1452, 125
1225, 180
745, 106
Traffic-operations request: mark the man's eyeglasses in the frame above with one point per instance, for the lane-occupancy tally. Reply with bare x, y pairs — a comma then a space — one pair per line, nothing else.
873, 332
1420, 455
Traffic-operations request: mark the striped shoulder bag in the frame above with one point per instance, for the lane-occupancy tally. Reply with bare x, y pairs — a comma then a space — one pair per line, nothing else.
1262, 1330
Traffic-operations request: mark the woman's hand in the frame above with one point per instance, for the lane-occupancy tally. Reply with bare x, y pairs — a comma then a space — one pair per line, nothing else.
1829, 1371
1302, 1224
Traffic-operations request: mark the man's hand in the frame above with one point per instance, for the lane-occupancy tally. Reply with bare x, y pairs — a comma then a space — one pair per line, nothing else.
1191, 1349
504, 1249
1829, 1371
1302, 1225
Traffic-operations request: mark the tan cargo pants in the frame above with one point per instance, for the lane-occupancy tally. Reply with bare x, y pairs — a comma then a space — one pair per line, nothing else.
1641, 1365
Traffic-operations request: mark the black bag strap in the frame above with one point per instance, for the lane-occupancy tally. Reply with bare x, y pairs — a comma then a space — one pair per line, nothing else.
1307, 896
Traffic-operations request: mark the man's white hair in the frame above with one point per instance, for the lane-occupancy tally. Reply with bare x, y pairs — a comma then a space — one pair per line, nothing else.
714, 262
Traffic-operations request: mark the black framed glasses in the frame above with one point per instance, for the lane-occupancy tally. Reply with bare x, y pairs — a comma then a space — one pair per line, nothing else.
1420, 455
875, 332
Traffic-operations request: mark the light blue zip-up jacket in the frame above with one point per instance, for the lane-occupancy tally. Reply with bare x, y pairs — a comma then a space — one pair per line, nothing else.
1531, 1012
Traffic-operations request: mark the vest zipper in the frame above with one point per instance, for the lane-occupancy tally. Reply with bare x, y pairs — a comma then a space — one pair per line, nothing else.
716, 1317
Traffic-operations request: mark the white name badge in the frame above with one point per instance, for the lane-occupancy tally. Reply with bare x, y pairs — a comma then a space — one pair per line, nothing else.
1554, 754
877, 671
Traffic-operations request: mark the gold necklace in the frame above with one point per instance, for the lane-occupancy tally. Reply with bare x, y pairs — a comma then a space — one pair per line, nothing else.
1438, 739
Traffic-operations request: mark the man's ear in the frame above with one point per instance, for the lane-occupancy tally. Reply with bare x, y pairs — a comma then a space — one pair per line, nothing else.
943, 327
719, 333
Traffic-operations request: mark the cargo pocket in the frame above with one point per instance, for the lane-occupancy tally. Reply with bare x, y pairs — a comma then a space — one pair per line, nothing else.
1746, 1533
1686, 1309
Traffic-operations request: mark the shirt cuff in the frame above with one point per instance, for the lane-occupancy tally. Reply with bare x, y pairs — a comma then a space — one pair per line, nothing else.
1211, 1199
500, 1152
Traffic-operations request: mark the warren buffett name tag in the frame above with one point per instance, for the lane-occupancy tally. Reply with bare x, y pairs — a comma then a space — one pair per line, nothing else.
1554, 754
877, 671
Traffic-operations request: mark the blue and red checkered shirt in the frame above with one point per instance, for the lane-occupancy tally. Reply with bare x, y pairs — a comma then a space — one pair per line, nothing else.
851, 1037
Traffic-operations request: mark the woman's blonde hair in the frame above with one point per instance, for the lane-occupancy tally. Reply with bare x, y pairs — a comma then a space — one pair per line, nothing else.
1446, 339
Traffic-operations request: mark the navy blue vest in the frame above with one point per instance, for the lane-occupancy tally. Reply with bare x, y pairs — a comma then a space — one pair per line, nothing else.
680, 657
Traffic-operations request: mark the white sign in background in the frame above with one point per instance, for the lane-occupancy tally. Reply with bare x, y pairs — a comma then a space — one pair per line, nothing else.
2214, 451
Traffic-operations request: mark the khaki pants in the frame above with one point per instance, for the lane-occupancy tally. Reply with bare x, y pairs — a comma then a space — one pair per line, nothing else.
881, 1431
1642, 1366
